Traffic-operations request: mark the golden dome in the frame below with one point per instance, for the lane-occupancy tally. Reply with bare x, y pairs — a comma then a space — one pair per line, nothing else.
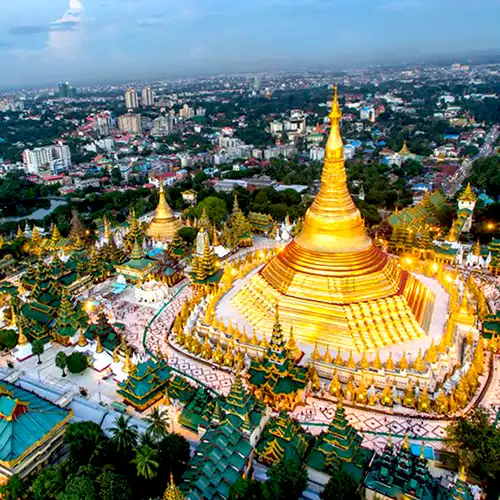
164, 224
331, 279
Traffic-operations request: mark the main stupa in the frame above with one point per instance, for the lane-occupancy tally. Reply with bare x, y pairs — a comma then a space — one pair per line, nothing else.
164, 224
332, 284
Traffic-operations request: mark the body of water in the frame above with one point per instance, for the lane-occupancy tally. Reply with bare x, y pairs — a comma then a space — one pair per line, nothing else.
38, 214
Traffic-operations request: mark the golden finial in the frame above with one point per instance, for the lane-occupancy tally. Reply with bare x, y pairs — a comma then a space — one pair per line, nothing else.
82, 341
389, 364
116, 359
389, 440
419, 364
316, 356
403, 362
431, 354
172, 492
22, 340
364, 363
377, 364
350, 362
422, 451
99, 347
166, 399
406, 442
462, 474
264, 343
128, 365
327, 358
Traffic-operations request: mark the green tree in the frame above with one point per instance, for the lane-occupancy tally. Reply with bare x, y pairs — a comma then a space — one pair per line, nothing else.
78, 488
173, 456
49, 483
146, 461
188, 234
247, 489
37, 348
158, 424
216, 209
340, 486
82, 439
8, 339
13, 489
62, 361
113, 486
124, 434
476, 442
77, 362
116, 175
287, 480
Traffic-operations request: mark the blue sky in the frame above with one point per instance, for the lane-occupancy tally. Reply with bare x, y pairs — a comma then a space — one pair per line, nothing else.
44, 41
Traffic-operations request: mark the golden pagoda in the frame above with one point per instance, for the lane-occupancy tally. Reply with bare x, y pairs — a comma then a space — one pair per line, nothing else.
468, 195
164, 224
331, 282
404, 150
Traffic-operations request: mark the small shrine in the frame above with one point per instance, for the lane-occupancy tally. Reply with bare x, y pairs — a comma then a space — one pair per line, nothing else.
276, 378
260, 223
237, 231
283, 438
108, 336
138, 266
340, 448
146, 383
400, 474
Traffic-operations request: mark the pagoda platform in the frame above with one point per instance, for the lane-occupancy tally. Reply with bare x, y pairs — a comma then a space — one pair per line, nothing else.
226, 310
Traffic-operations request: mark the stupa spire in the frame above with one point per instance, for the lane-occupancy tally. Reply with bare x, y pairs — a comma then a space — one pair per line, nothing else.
333, 221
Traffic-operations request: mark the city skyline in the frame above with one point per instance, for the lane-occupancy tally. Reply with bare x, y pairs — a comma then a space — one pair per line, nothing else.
104, 40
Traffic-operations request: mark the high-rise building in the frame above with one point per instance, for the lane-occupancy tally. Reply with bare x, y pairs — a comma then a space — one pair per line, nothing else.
131, 99
102, 123
161, 127
55, 158
64, 89
147, 97
130, 123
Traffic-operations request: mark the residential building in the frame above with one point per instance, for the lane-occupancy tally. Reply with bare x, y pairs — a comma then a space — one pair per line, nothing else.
131, 99
102, 124
131, 123
147, 97
186, 112
161, 126
54, 158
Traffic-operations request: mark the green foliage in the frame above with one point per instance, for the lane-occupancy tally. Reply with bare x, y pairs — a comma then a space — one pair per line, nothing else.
188, 234
116, 175
77, 362
78, 488
113, 486
173, 456
62, 361
82, 439
340, 486
247, 489
158, 424
124, 434
476, 442
37, 349
287, 480
146, 461
13, 489
216, 209
48, 483
485, 174
8, 339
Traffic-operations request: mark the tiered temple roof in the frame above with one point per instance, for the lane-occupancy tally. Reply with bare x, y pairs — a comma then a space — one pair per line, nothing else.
198, 411
418, 216
340, 447
400, 474
276, 375
332, 266
27, 422
146, 384
260, 223
138, 266
104, 330
221, 458
283, 439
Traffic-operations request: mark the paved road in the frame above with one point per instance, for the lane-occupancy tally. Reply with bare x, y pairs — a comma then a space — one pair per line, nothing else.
463, 172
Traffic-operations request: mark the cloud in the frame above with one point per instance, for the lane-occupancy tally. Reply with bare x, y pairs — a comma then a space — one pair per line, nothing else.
27, 30
64, 25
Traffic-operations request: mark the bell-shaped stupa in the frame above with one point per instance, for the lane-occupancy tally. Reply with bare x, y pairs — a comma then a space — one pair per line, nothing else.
164, 224
332, 284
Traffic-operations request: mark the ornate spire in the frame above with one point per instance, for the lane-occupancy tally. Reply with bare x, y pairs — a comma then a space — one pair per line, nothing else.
82, 341
333, 221
107, 229
23, 340
316, 356
99, 347
137, 251
468, 195
172, 492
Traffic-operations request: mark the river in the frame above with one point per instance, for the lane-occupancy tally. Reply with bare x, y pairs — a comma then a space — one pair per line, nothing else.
38, 214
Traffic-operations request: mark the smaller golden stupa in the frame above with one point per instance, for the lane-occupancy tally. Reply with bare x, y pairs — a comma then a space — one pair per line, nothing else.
164, 224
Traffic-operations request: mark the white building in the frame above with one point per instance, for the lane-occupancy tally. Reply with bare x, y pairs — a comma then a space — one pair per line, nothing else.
186, 112
147, 97
316, 154
54, 158
102, 123
130, 123
162, 126
131, 99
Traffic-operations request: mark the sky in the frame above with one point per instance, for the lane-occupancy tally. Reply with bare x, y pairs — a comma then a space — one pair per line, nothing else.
101, 41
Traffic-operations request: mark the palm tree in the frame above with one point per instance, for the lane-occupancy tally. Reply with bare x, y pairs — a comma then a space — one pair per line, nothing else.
124, 434
145, 461
158, 424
